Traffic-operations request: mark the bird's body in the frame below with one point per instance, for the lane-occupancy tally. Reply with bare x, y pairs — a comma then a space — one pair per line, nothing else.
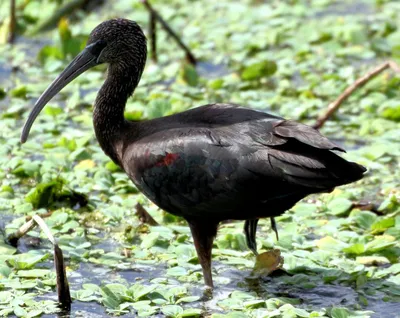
221, 161
208, 164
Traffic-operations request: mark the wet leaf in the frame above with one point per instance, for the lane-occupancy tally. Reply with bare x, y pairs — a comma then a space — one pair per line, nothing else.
339, 206
259, 70
34, 273
268, 262
26, 261
191, 312
172, 310
339, 313
6, 249
44, 193
188, 74
328, 243
382, 225
372, 260
357, 249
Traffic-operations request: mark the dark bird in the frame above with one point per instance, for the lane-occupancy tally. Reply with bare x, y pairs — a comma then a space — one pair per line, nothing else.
207, 164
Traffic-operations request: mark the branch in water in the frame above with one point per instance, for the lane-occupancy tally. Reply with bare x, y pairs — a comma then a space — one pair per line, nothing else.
332, 107
13, 23
154, 14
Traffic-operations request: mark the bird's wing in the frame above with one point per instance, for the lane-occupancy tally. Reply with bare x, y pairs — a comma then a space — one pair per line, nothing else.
303, 157
262, 159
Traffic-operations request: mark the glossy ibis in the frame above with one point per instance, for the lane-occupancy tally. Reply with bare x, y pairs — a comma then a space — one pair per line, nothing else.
207, 164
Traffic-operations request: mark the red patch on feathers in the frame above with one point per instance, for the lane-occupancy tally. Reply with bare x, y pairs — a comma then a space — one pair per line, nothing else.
167, 160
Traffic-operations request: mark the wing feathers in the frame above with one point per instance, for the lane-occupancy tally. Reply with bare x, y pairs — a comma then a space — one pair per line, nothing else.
304, 134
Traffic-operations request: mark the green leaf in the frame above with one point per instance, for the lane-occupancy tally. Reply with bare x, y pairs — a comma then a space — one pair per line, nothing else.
27, 169
328, 243
357, 249
301, 313
111, 166
44, 193
172, 310
365, 219
390, 204
382, 225
19, 92
380, 243
34, 273
190, 312
339, 313
259, 70
372, 260
20, 312
48, 52
188, 299
339, 206
189, 75
139, 291
6, 249
27, 260
177, 271
112, 294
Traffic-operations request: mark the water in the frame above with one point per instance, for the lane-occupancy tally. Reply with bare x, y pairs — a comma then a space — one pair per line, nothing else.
344, 8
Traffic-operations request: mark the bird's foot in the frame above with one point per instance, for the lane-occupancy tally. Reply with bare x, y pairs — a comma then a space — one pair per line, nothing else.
250, 230
207, 293
274, 228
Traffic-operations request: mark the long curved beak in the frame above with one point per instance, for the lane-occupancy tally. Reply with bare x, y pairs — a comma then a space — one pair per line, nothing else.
81, 63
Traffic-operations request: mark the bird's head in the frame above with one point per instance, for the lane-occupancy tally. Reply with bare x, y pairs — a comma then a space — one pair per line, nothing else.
118, 42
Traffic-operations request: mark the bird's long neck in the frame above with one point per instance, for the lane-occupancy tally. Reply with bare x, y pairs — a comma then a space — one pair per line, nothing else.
108, 116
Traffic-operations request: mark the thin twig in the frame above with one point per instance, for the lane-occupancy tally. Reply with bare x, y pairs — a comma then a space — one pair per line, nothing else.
189, 55
13, 23
153, 37
367, 206
332, 107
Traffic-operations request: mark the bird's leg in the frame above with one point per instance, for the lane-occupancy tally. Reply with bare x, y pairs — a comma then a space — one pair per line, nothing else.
204, 232
274, 228
250, 230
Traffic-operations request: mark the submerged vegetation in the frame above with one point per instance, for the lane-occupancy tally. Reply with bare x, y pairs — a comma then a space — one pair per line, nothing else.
292, 58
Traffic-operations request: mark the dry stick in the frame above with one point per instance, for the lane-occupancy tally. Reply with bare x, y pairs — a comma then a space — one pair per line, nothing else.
189, 56
13, 23
332, 107
153, 37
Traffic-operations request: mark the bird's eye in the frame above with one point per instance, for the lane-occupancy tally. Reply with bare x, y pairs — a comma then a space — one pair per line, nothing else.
96, 47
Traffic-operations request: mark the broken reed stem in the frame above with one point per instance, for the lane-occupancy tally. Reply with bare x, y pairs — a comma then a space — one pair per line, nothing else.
332, 107
14, 237
189, 55
64, 296
25, 228
13, 23
43, 226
